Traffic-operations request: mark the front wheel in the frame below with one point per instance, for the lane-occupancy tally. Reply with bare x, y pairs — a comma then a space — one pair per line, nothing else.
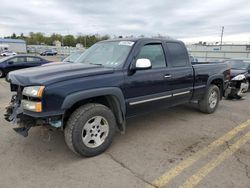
248, 89
211, 100
90, 129
1, 74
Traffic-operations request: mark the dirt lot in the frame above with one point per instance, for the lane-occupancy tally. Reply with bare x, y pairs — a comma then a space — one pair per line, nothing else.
179, 147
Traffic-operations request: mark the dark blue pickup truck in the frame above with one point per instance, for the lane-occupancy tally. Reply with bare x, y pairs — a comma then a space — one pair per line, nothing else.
111, 81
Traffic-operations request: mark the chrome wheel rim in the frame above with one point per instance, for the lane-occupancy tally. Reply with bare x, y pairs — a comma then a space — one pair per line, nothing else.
95, 131
213, 98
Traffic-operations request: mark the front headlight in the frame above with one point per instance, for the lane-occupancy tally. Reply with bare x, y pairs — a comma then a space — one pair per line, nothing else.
239, 77
32, 106
33, 91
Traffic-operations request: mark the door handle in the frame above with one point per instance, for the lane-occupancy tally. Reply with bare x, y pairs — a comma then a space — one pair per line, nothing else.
168, 76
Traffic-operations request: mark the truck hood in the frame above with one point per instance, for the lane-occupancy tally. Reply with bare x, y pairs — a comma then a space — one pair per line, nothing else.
55, 72
235, 72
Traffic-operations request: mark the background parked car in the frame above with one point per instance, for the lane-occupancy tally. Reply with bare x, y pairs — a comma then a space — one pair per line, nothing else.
12, 63
48, 53
239, 66
8, 53
240, 77
193, 59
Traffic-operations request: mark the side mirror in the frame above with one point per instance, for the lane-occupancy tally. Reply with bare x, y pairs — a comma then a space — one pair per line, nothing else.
10, 62
143, 64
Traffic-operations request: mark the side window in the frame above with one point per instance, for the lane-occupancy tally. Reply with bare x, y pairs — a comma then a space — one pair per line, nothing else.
33, 60
13, 60
176, 54
18, 60
154, 53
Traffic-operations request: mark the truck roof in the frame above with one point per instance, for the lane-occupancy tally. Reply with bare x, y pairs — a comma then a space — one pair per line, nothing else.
144, 39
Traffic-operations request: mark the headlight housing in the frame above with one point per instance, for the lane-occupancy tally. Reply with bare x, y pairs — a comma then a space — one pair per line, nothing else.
33, 91
239, 77
32, 106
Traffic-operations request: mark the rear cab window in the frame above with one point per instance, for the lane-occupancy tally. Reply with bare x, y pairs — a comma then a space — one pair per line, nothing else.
176, 54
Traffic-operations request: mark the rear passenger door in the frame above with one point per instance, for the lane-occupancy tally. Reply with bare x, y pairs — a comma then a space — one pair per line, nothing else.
181, 72
33, 62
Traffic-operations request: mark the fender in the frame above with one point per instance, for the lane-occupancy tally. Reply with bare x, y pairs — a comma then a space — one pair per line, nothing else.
114, 92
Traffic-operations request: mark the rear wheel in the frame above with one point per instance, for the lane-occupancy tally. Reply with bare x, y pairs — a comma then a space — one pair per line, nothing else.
211, 100
90, 129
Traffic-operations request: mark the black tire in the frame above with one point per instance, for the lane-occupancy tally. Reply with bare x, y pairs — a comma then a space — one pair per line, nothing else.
248, 86
237, 97
204, 104
231, 97
73, 132
1, 73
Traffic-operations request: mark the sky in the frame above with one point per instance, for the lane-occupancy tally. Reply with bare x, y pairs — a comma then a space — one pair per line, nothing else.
188, 20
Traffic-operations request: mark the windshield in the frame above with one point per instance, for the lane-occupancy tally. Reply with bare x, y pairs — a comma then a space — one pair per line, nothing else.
238, 64
108, 54
73, 57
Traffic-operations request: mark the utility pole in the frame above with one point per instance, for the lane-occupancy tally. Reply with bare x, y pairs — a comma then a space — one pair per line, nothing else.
85, 41
221, 37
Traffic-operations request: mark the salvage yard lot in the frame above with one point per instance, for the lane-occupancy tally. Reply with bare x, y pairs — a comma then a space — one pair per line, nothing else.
153, 145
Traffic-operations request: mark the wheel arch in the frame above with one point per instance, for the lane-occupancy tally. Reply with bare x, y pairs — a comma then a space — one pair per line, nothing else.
111, 97
217, 80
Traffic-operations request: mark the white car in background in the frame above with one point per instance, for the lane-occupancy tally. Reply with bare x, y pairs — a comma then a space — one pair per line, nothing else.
8, 53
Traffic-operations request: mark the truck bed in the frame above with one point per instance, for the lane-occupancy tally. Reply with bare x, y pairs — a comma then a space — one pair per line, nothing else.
203, 72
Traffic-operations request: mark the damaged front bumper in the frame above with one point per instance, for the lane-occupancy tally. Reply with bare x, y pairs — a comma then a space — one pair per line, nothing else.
16, 115
237, 88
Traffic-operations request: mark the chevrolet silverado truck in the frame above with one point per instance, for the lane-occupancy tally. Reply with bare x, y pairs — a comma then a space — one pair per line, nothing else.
111, 81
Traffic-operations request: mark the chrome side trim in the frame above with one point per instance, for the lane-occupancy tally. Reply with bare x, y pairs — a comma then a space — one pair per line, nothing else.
198, 87
181, 93
149, 100
167, 76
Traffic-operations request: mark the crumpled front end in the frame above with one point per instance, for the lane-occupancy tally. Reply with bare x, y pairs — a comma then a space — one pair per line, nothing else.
21, 106
238, 86
14, 113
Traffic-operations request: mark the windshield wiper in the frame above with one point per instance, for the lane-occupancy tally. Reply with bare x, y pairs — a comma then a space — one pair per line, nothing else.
96, 64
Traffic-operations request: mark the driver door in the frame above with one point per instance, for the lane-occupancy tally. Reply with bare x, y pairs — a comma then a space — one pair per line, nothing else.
147, 89
15, 63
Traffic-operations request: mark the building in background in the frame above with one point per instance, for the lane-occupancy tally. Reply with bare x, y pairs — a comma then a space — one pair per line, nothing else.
211, 52
57, 43
16, 45
79, 45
